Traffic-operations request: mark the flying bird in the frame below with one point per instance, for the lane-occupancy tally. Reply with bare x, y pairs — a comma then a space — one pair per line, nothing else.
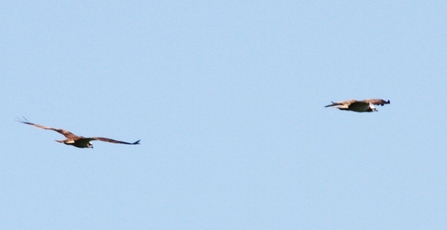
78, 141
359, 106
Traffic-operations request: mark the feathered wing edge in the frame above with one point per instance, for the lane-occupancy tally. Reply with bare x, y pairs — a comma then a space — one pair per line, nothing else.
347, 102
112, 140
377, 101
64, 132
333, 104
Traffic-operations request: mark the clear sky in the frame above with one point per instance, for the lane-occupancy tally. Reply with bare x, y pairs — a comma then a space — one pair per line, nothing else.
228, 100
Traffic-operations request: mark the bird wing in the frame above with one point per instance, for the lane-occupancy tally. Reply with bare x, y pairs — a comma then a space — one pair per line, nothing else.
359, 106
111, 140
66, 133
345, 103
377, 101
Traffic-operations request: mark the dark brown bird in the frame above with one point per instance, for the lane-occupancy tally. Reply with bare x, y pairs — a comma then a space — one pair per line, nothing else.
359, 106
78, 141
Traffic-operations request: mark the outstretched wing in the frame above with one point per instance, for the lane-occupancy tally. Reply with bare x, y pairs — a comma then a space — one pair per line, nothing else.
377, 101
111, 140
346, 103
66, 133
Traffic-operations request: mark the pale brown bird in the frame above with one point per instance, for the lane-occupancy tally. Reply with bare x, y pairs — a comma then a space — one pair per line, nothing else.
359, 106
78, 141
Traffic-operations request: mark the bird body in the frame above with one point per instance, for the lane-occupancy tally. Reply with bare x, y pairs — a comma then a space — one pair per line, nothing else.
359, 106
78, 141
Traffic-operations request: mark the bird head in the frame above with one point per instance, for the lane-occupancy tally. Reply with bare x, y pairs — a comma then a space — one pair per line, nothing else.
372, 108
89, 145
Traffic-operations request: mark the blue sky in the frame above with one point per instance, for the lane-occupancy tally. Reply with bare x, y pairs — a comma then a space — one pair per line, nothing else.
228, 100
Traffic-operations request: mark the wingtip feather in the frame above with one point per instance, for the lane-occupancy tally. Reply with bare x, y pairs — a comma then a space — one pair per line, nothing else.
136, 142
333, 104
23, 120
